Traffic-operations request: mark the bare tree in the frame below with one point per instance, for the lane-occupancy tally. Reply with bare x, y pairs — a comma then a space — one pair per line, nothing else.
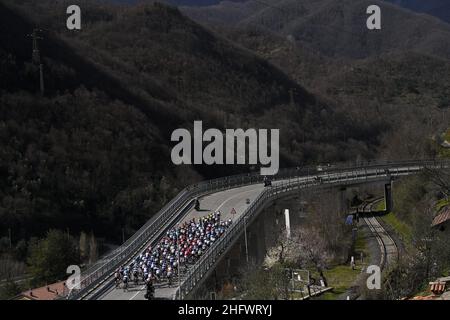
440, 179
84, 246
305, 247
326, 223
312, 248
93, 250
10, 268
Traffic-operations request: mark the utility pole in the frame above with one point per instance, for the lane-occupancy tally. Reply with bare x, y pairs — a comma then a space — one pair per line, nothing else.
245, 239
36, 57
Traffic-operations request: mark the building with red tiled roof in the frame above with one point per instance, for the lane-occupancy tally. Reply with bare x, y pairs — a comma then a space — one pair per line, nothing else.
437, 287
442, 220
50, 292
439, 290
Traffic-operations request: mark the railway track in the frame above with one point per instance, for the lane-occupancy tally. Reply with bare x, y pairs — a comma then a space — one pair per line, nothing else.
388, 248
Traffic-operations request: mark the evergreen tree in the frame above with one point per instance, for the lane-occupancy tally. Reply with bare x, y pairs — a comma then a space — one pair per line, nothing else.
50, 257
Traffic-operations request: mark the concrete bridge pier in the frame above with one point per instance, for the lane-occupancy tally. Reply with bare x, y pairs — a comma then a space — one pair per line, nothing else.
343, 200
388, 197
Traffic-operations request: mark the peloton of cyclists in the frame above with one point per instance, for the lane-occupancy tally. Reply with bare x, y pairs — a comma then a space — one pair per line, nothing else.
180, 247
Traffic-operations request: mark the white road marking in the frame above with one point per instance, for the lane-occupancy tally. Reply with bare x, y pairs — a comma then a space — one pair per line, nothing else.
143, 287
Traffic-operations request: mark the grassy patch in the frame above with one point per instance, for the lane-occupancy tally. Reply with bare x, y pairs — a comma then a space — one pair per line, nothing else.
330, 295
444, 152
342, 277
442, 203
447, 135
380, 206
399, 226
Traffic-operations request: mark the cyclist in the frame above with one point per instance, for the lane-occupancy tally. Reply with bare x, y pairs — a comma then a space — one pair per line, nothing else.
149, 295
135, 276
125, 282
117, 278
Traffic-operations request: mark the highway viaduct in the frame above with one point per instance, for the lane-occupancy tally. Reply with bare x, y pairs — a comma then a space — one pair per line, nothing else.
248, 196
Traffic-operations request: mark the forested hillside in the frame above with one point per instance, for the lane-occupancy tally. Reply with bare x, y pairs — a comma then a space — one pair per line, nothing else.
94, 152
393, 77
334, 28
81, 157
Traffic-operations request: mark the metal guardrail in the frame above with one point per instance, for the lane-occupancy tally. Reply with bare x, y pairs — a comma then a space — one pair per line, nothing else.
373, 173
92, 277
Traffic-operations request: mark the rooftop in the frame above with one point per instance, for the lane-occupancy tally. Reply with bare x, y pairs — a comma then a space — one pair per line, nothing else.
443, 216
439, 290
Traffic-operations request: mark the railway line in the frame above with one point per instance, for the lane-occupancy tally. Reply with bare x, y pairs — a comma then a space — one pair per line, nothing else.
388, 247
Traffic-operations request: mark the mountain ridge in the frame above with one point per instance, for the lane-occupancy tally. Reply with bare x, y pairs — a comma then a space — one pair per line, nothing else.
437, 8
337, 29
